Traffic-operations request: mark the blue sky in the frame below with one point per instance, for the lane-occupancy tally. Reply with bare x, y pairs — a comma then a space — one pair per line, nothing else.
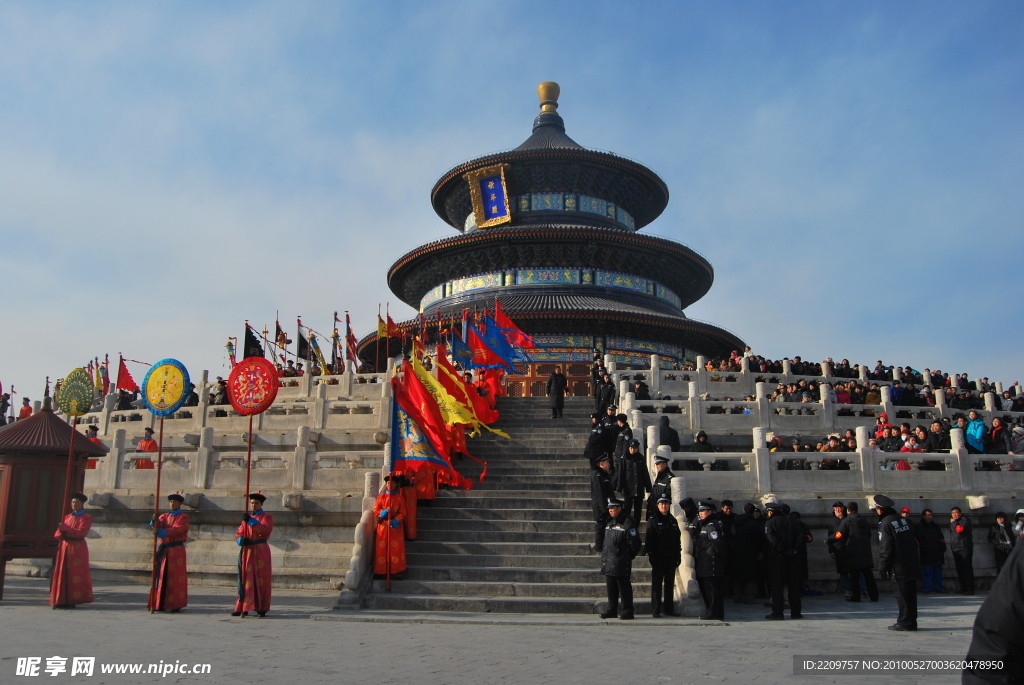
852, 170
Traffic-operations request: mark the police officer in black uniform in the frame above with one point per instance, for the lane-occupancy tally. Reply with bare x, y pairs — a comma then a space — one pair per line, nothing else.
662, 543
661, 487
898, 558
632, 479
601, 490
621, 545
596, 441
606, 395
622, 438
710, 554
783, 569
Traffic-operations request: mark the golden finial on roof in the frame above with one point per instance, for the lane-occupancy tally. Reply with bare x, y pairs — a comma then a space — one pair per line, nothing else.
548, 93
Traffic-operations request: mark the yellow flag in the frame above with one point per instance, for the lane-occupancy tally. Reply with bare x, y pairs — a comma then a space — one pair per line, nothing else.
382, 328
452, 411
467, 403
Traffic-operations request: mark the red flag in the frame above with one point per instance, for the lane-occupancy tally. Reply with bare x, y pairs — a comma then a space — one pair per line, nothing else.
511, 331
124, 378
393, 330
482, 354
421, 406
460, 390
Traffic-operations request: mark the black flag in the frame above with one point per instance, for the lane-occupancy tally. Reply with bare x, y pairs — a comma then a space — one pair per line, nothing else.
303, 351
252, 344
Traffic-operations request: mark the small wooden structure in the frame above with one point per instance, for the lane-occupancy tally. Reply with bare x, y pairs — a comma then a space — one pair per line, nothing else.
33, 466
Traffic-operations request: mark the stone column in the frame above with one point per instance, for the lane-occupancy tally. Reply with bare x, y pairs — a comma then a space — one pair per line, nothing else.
866, 458
762, 460
345, 385
653, 445
626, 403
887, 406
320, 407
999, 388
115, 460
826, 370
695, 406
965, 465
109, 402
305, 384
204, 458
747, 378
787, 371
371, 488
655, 375
636, 422
991, 404
764, 411
702, 375
862, 373
37, 406
940, 402
386, 469
623, 390
301, 460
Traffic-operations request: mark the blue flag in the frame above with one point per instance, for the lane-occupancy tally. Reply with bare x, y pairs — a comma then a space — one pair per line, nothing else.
461, 352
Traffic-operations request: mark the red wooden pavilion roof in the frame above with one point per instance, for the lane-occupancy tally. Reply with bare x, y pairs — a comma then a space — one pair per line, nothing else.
46, 432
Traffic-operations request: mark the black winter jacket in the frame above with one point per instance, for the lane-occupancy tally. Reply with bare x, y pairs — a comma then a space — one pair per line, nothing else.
855, 541
621, 545
601, 491
710, 552
931, 543
997, 634
632, 478
961, 535
662, 541
897, 551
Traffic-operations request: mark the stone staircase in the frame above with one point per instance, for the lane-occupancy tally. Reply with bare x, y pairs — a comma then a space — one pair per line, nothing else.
521, 542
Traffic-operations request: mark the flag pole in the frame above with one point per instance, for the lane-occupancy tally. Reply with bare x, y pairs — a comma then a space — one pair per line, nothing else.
67, 475
376, 363
248, 463
156, 513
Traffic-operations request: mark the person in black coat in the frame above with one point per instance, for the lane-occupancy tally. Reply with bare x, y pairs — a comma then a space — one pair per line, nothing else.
961, 543
661, 487
601, 490
621, 545
853, 538
623, 437
669, 435
803, 538
1002, 538
746, 554
596, 441
898, 558
780, 546
556, 392
836, 550
932, 544
998, 634
701, 444
632, 479
664, 550
606, 394
710, 555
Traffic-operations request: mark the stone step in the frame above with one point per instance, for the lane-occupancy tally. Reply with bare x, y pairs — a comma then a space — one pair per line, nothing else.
517, 499
521, 574
538, 549
535, 468
451, 536
508, 605
589, 561
526, 480
504, 589
511, 514
468, 525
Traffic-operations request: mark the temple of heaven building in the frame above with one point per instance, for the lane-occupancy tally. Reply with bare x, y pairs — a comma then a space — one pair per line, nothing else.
551, 230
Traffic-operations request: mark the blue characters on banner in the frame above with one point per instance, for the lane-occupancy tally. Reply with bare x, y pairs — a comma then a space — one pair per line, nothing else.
492, 192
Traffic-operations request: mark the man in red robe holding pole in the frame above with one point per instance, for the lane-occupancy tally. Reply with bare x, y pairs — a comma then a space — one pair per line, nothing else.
170, 586
389, 510
71, 583
254, 572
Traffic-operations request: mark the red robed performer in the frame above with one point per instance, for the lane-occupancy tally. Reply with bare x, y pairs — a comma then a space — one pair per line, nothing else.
407, 486
389, 510
254, 570
71, 583
170, 587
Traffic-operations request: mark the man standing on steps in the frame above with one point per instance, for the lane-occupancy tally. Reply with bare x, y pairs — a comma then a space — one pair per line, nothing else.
783, 571
556, 392
622, 438
621, 545
710, 553
662, 486
662, 543
633, 479
595, 441
899, 560
601, 491
606, 396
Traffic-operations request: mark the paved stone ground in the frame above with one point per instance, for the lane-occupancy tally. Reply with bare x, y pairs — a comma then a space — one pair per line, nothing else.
424, 648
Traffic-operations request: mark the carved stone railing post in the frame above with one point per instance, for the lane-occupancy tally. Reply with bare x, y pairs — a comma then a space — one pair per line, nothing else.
787, 370
991, 404
115, 459
702, 375
653, 444
695, 406
865, 455
204, 458
965, 465
301, 460
764, 411
762, 460
887, 406
655, 375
